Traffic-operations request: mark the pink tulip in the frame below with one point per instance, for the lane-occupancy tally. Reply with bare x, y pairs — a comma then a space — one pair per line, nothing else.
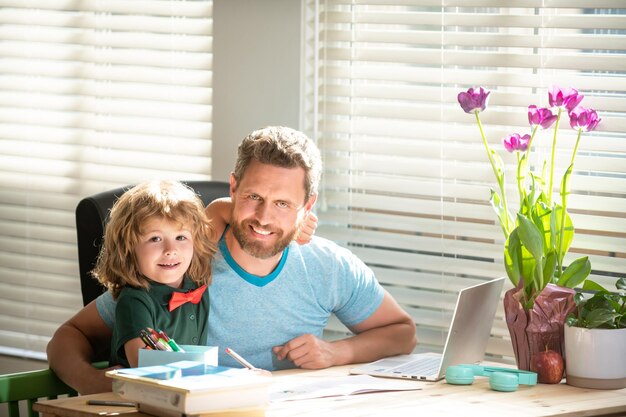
565, 98
540, 117
473, 100
584, 119
515, 142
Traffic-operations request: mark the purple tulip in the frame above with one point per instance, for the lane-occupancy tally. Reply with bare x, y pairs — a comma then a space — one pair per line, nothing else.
565, 98
515, 142
540, 117
585, 119
473, 100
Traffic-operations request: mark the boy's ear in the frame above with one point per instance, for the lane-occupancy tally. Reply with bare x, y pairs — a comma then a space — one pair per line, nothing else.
233, 185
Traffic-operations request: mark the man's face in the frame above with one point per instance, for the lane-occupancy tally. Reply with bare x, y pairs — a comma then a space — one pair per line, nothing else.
268, 208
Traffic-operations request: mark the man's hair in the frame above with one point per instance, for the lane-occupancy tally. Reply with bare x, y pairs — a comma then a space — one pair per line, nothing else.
282, 147
117, 264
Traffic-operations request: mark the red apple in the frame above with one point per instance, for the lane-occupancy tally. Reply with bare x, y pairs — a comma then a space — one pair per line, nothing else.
548, 365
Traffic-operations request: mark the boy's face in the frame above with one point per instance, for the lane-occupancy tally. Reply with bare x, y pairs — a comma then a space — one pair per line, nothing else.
164, 251
268, 208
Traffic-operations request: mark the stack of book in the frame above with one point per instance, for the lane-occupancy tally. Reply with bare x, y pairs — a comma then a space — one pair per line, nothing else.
189, 388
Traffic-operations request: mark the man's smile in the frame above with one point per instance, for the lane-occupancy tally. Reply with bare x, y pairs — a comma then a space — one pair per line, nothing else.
261, 231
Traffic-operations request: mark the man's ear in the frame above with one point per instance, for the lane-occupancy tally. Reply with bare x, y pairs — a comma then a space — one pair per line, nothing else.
233, 185
308, 206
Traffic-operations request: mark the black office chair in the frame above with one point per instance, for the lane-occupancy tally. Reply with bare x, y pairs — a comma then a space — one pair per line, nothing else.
92, 214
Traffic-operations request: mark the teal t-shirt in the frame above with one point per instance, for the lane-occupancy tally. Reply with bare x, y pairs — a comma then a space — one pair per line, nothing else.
252, 314
138, 309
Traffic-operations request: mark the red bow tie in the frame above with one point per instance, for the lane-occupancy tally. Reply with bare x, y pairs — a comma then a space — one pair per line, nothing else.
180, 298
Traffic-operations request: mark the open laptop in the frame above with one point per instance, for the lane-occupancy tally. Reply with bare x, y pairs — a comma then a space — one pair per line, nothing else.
466, 341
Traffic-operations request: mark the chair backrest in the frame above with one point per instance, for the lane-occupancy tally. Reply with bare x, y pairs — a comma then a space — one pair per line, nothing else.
30, 386
92, 215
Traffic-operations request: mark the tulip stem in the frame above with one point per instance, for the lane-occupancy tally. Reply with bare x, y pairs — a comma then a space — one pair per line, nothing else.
556, 129
499, 178
520, 186
559, 258
564, 195
482, 134
580, 131
530, 143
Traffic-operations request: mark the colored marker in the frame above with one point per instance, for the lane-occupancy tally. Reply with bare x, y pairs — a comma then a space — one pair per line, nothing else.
159, 340
145, 337
170, 342
159, 343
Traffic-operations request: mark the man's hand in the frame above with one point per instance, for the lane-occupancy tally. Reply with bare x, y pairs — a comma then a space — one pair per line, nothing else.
307, 230
98, 381
388, 331
73, 347
307, 352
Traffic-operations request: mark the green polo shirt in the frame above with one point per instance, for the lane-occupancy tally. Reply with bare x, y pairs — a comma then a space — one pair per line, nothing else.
138, 308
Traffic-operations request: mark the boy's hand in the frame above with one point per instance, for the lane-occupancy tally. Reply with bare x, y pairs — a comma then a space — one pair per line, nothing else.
308, 229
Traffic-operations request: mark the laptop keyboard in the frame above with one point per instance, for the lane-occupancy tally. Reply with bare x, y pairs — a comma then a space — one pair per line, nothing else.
422, 366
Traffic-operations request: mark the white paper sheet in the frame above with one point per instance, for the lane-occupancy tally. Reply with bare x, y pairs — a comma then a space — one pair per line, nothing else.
305, 388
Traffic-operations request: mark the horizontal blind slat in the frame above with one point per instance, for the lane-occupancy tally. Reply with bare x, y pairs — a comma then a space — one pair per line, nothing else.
406, 180
94, 95
153, 7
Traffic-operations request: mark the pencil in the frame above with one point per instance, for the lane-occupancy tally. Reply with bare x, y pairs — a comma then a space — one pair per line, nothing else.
239, 359
111, 403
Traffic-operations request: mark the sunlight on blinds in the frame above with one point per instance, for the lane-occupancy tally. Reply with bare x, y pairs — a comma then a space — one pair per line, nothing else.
94, 95
406, 181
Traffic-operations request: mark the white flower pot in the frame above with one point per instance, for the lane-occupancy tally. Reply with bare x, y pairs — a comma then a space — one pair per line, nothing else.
595, 358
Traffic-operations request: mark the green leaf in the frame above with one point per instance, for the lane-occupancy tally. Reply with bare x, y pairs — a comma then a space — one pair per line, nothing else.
565, 190
542, 217
499, 165
590, 285
600, 317
503, 216
575, 273
621, 284
548, 268
614, 301
519, 263
513, 257
534, 190
579, 298
528, 267
538, 282
531, 237
568, 230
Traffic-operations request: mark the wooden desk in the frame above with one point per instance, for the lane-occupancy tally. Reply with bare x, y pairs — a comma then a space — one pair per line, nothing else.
434, 399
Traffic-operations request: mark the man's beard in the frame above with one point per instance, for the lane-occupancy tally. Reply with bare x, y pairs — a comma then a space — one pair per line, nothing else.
257, 248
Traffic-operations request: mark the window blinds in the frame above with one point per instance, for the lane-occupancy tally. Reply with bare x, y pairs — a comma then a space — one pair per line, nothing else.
406, 180
94, 94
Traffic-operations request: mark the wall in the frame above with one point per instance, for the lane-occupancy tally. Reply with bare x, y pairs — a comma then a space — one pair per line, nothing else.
256, 78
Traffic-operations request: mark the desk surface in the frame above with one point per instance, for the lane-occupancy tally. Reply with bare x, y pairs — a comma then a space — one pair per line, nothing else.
434, 399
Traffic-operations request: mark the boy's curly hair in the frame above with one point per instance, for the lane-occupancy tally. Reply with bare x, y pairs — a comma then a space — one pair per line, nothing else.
117, 265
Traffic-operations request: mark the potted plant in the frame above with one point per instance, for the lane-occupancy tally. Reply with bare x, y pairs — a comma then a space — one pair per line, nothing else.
538, 237
595, 338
